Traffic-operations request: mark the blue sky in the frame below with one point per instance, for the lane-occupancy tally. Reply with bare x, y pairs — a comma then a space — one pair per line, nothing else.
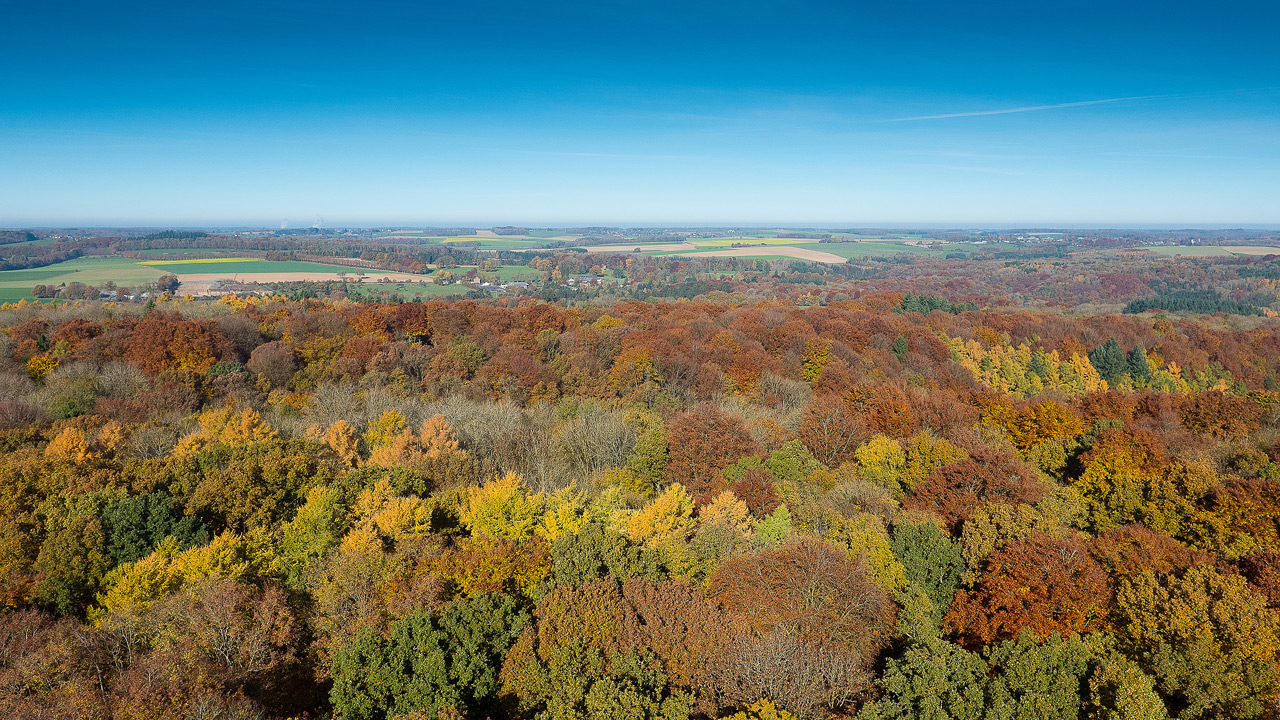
640, 112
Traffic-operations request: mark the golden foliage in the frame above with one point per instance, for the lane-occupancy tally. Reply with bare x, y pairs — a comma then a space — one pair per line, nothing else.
70, 444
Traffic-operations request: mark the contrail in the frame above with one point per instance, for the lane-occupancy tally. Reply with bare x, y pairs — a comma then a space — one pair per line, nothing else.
1030, 108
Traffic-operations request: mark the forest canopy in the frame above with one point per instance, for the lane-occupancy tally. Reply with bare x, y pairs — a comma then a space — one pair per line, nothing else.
890, 504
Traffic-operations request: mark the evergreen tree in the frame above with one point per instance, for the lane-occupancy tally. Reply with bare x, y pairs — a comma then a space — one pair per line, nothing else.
1109, 360
1038, 365
900, 349
1138, 368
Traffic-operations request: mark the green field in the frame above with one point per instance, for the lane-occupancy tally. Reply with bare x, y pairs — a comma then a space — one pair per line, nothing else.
15, 284
239, 266
1188, 250
495, 243
869, 249
14, 294
88, 270
1213, 250
186, 251
886, 248
513, 273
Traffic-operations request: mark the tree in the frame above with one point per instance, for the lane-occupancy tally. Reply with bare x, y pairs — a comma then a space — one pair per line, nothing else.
247, 636
1209, 640
1039, 584
597, 552
168, 283
134, 526
1138, 368
900, 349
633, 649
503, 508
1109, 360
1037, 678
431, 661
811, 590
934, 681
882, 461
931, 560
956, 489
702, 441
275, 361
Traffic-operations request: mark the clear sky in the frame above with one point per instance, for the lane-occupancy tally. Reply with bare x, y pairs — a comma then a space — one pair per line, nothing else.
900, 112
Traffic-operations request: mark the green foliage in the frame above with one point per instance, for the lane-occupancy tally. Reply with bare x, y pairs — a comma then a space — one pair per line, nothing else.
316, 529
937, 681
900, 349
1195, 301
648, 458
245, 486
1037, 680
925, 304
932, 561
774, 529
73, 557
1209, 640
598, 552
429, 662
578, 684
135, 525
1138, 368
1109, 360
792, 461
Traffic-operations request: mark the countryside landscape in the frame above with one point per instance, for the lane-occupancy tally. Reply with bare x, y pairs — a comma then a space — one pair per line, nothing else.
640, 360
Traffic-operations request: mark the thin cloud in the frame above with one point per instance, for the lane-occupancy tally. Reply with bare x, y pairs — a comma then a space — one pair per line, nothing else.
1029, 108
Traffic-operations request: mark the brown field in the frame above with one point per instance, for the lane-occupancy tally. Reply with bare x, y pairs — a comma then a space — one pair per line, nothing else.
795, 252
200, 282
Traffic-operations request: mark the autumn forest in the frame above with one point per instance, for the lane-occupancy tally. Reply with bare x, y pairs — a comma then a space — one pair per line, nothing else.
919, 487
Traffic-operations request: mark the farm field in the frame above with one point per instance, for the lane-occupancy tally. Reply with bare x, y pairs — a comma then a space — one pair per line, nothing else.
88, 270
495, 243
186, 251
1252, 249
801, 253
240, 266
195, 274
871, 249
406, 289
775, 247
1212, 250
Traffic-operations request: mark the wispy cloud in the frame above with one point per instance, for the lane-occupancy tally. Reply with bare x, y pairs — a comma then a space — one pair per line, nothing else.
1029, 108
1084, 103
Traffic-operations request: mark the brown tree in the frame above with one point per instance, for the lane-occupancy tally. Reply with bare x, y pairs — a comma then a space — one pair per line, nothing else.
956, 489
703, 441
809, 589
1039, 584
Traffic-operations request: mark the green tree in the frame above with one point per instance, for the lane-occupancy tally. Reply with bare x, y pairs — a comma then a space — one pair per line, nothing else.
135, 525
900, 349
1036, 680
597, 552
932, 561
937, 680
1109, 360
1209, 640
1137, 365
648, 459
430, 661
